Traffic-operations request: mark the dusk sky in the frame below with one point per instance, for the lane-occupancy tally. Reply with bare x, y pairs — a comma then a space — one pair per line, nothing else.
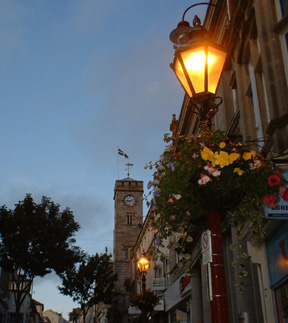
78, 79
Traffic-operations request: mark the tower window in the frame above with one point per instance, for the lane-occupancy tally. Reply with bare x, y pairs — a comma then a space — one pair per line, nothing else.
127, 253
130, 219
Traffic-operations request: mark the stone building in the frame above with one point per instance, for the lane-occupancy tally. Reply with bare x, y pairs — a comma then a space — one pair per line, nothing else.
53, 316
128, 220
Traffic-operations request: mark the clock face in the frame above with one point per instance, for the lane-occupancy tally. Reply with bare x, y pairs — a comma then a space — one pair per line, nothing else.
129, 200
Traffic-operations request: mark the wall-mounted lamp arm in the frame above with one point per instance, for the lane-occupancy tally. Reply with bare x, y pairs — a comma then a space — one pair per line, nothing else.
201, 4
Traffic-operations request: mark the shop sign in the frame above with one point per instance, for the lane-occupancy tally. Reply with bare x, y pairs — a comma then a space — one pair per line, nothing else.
173, 295
184, 282
206, 247
158, 284
281, 212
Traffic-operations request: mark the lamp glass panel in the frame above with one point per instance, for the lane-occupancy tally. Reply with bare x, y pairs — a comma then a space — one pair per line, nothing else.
143, 264
181, 76
194, 60
216, 60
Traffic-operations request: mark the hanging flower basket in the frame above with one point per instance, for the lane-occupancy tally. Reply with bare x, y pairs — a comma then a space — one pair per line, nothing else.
145, 301
209, 172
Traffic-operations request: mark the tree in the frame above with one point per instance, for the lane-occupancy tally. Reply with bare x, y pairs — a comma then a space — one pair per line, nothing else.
34, 240
91, 282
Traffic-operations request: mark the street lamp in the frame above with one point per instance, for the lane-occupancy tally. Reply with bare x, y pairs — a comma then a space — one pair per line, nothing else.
198, 65
143, 264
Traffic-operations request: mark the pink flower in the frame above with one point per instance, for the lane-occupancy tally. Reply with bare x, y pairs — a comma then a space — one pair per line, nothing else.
273, 180
173, 217
270, 200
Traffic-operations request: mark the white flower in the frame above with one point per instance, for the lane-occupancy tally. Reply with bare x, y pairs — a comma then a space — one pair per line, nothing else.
255, 164
204, 179
216, 173
213, 171
156, 182
177, 196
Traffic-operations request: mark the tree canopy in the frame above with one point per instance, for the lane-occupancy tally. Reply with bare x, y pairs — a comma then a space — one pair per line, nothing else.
91, 282
34, 240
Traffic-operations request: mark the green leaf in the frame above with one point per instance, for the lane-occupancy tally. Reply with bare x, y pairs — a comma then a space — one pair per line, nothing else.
244, 255
189, 239
243, 273
234, 263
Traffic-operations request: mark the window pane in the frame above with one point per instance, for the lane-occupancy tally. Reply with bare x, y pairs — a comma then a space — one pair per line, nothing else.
286, 39
284, 7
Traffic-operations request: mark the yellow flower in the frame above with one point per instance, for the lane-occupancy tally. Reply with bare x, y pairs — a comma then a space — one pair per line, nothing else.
247, 155
207, 154
238, 171
233, 157
222, 159
222, 144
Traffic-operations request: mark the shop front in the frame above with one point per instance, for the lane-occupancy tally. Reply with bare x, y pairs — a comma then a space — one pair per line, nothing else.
183, 299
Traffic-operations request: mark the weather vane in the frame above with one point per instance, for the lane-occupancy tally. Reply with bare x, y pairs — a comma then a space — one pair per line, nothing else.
128, 168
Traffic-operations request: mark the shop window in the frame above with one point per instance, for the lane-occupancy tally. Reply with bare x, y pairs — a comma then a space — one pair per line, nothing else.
166, 265
282, 303
158, 272
182, 313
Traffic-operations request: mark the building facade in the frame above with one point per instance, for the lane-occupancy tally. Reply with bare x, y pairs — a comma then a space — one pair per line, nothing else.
254, 111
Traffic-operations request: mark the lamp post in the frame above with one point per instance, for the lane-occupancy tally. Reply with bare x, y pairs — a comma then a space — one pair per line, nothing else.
143, 265
198, 65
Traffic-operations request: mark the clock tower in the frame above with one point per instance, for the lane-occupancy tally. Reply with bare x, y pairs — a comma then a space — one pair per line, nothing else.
128, 217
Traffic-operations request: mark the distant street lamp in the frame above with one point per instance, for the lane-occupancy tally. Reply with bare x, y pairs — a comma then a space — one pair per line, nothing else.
198, 65
143, 264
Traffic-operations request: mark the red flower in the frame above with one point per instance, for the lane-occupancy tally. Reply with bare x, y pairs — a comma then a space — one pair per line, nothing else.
170, 200
273, 180
270, 200
285, 196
